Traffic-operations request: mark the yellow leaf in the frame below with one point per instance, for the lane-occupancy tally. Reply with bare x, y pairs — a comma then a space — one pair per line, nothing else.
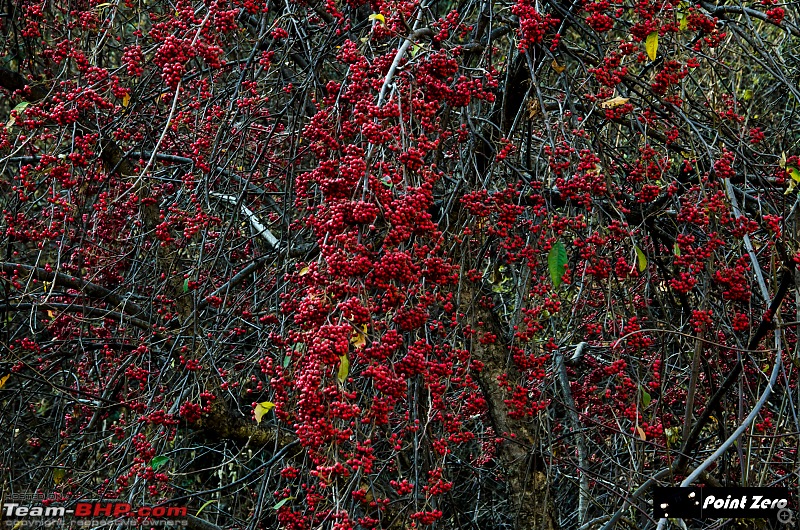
790, 189
359, 337
641, 433
533, 108
557, 67
380, 18
641, 258
58, 475
748, 95
262, 408
126, 100
303, 271
344, 368
683, 16
614, 102
205, 505
673, 435
3, 380
651, 45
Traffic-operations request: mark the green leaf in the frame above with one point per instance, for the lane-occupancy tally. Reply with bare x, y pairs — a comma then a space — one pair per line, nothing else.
21, 106
641, 259
676, 249
287, 360
683, 16
646, 398
43, 407
203, 507
651, 45
557, 262
19, 109
262, 408
158, 462
794, 173
282, 502
344, 368
186, 285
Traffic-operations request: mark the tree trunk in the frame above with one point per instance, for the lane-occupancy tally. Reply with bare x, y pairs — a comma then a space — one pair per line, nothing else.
528, 483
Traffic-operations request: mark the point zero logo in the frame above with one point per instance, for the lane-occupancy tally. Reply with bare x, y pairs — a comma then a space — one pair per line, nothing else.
731, 502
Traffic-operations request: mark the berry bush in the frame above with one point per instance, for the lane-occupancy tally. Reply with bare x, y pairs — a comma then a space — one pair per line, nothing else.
398, 263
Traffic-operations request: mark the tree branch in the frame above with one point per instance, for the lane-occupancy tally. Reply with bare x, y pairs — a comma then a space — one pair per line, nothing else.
95, 312
764, 327
88, 288
741, 10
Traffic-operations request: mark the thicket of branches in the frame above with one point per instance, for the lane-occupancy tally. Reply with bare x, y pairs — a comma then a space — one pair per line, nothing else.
398, 263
